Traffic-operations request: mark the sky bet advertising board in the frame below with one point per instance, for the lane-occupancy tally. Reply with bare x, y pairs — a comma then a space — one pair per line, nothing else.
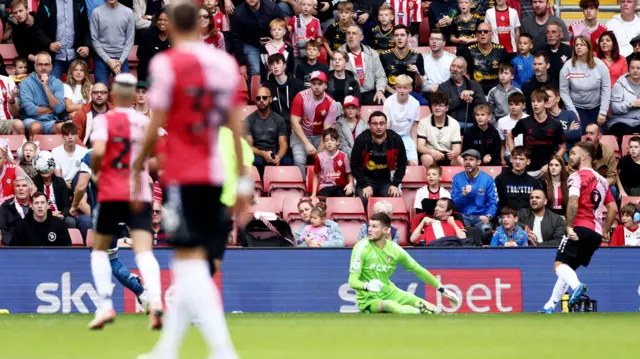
315, 280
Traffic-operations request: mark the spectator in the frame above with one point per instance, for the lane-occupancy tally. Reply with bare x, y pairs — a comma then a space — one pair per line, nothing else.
438, 61
14, 210
541, 70
140, 103
514, 184
289, 7
350, 125
540, 136
336, 36
559, 53
544, 228
376, 154
403, 112
635, 44
505, 25
498, 97
316, 232
604, 161
382, 33
112, 35
312, 112
77, 88
381, 207
427, 196
20, 68
283, 87
628, 168
483, 58
342, 83
63, 27
84, 118
304, 27
463, 27
439, 140
523, 62
160, 238
325, 10
568, 119
556, 184
250, 30
208, 31
507, 123
25, 34
625, 26
277, 29
425, 230
8, 171
69, 155
26, 153
474, 193
42, 99
509, 234
154, 41
304, 69
402, 60
267, 134
625, 102
609, 52
145, 10
9, 116
463, 94
627, 234
39, 228
332, 173
483, 137
590, 27
365, 63
336, 239
537, 25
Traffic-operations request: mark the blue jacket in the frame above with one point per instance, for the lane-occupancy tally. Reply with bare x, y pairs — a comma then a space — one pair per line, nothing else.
32, 96
483, 198
523, 69
501, 237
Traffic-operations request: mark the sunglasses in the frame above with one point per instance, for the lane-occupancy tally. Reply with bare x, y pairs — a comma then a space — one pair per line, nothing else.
203, 16
99, 92
155, 211
262, 98
483, 31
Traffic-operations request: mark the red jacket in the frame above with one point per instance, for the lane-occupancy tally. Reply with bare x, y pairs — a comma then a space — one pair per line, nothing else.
84, 121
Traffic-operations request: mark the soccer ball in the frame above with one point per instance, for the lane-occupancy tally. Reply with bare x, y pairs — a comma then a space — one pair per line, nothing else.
44, 162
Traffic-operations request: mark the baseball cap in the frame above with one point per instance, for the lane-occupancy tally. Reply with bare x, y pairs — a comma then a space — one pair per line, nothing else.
351, 101
471, 152
142, 85
126, 80
318, 75
635, 40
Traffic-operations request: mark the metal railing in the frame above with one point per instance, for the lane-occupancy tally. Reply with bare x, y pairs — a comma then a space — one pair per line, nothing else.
559, 8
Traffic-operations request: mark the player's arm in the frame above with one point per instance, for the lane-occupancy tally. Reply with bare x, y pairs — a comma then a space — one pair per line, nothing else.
573, 184
411, 265
99, 148
355, 270
81, 187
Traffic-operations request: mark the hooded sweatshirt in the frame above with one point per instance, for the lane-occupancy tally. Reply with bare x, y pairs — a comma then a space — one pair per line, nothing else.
498, 99
584, 87
622, 95
283, 95
514, 189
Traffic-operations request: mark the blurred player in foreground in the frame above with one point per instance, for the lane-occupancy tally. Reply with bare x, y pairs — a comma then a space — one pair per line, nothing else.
116, 139
194, 91
374, 260
589, 194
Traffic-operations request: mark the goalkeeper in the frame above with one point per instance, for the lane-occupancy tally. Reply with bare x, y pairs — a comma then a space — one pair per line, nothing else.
374, 260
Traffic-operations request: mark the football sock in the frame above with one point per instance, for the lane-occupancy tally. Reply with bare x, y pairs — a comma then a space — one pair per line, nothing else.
124, 276
150, 270
101, 271
558, 291
390, 306
567, 274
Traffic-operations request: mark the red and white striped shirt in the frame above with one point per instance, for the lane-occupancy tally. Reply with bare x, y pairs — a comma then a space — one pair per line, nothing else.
557, 196
314, 114
214, 42
593, 195
333, 170
220, 21
6, 86
579, 28
302, 32
406, 11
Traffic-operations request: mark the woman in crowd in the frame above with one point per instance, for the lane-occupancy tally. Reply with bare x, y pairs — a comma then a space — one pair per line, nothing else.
585, 84
625, 102
155, 40
350, 124
609, 52
381, 207
208, 32
342, 83
556, 183
77, 89
336, 239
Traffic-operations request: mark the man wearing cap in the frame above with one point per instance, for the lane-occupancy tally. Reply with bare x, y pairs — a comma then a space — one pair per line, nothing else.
312, 111
474, 193
635, 44
141, 105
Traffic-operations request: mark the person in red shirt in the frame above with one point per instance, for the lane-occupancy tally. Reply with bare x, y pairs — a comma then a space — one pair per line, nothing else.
333, 176
425, 230
627, 234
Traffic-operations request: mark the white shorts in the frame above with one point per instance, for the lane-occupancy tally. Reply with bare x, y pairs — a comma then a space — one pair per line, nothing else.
410, 148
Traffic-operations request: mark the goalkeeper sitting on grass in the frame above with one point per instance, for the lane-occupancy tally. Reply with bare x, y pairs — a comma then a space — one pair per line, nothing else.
374, 260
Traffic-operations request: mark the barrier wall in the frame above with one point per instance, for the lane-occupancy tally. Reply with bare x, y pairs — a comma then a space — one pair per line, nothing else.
315, 280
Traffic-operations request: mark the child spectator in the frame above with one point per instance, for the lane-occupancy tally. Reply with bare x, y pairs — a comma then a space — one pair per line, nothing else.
509, 234
498, 97
333, 176
483, 137
219, 19
276, 45
628, 169
382, 34
463, 27
403, 112
336, 36
316, 232
523, 62
208, 32
305, 68
507, 123
568, 119
408, 13
627, 234
20, 66
505, 24
557, 188
427, 196
350, 125
589, 27
304, 27
26, 153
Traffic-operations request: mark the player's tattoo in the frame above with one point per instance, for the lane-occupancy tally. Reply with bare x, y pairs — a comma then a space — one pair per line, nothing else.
572, 210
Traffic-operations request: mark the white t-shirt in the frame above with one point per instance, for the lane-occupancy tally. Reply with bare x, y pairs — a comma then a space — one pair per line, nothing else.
74, 94
505, 125
6, 86
624, 31
537, 228
436, 71
68, 165
401, 117
424, 193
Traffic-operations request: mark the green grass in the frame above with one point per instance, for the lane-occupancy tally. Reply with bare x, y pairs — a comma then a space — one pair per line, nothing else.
338, 336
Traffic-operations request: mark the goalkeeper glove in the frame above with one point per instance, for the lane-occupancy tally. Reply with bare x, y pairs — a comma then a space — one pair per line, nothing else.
453, 297
373, 286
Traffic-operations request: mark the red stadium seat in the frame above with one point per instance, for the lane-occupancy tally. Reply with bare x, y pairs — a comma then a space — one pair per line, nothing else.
290, 211
244, 92
90, 236
424, 111
8, 52
492, 171
424, 33
399, 208
630, 199
15, 141
133, 56
283, 181
409, 196
345, 208
248, 109
309, 180
447, 175
76, 237
258, 183
609, 141
366, 111
414, 179
625, 144
350, 230
255, 86
267, 204
49, 142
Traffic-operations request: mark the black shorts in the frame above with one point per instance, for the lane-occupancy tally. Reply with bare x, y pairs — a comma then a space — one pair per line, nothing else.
108, 216
195, 215
217, 246
578, 253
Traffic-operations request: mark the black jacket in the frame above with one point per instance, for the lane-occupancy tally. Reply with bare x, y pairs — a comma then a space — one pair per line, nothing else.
514, 190
26, 41
248, 27
552, 226
369, 6
31, 233
486, 142
459, 109
396, 159
282, 96
9, 219
149, 46
60, 191
532, 85
351, 86
47, 21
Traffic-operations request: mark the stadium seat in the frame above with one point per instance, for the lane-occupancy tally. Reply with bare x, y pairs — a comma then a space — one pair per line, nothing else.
350, 230
244, 92
90, 236
8, 52
424, 111
309, 180
409, 196
290, 211
248, 109
492, 171
267, 204
133, 56
283, 181
76, 237
49, 142
424, 33
625, 144
258, 182
414, 178
366, 111
609, 141
345, 208
255, 86
630, 199
447, 175
399, 208
15, 141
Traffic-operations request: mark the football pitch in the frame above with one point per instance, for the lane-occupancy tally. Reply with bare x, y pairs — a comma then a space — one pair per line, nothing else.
338, 336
